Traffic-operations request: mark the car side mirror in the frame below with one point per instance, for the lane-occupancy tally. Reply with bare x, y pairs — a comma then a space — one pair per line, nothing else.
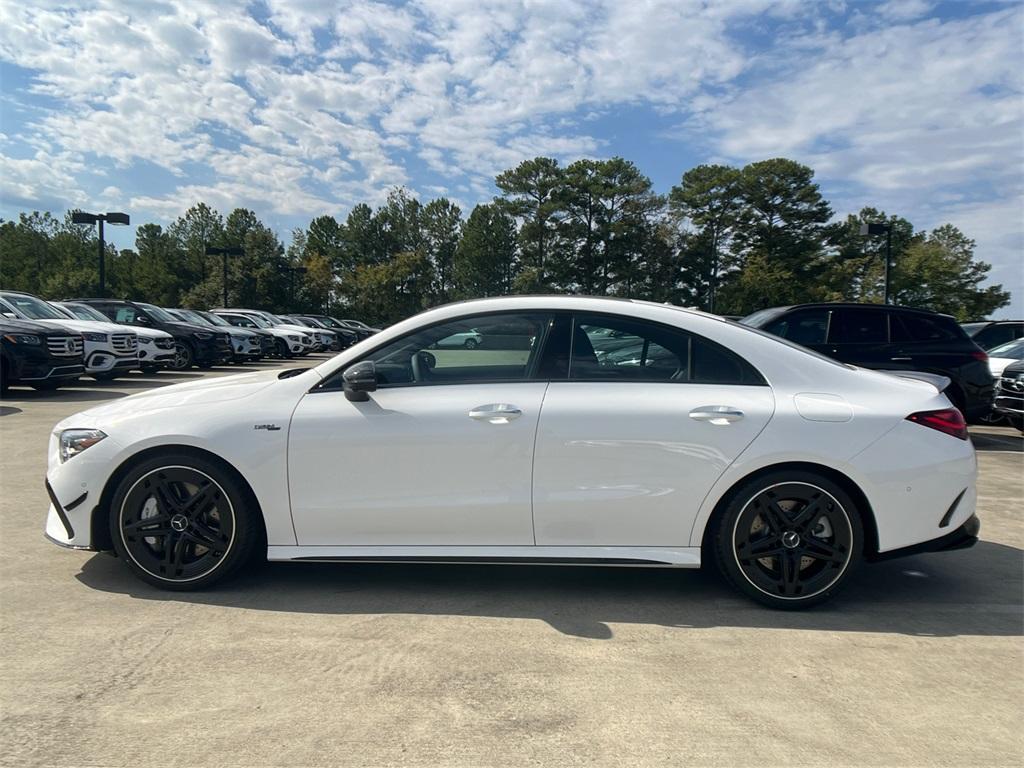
358, 380
142, 320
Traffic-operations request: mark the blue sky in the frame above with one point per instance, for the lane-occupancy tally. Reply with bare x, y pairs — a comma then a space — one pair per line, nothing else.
300, 108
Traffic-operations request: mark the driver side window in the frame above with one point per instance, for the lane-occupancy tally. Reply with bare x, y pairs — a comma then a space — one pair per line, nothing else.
499, 347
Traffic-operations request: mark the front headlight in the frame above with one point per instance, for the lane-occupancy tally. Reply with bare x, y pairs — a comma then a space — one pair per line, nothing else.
293, 338
22, 338
203, 336
144, 340
74, 441
102, 338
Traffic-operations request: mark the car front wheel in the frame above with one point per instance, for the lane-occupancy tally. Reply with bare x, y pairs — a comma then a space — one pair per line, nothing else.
182, 522
789, 540
183, 356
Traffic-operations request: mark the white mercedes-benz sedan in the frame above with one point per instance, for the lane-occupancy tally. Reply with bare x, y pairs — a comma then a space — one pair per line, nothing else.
709, 441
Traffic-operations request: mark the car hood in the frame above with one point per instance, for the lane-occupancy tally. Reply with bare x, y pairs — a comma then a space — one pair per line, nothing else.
295, 328
148, 333
194, 328
999, 364
207, 390
88, 326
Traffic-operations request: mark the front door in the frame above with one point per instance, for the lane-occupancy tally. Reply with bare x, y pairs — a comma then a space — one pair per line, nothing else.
440, 454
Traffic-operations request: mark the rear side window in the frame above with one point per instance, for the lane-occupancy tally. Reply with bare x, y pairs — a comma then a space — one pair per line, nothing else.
858, 326
995, 335
124, 315
912, 327
611, 348
804, 326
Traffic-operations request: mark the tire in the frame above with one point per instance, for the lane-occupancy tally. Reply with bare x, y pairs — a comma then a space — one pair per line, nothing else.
149, 368
1017, 422
803, 561
203, 523
4, 386
183, 356
282, 349
108, 376
471, 344
992, 418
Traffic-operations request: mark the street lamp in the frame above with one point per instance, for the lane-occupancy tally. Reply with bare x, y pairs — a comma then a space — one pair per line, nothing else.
114, 217
292, 272
878, 228
212, 250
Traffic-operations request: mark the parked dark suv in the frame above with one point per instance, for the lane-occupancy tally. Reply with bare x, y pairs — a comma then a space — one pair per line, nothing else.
890, 338
1010, 394
991, 333
199, 345
39, 355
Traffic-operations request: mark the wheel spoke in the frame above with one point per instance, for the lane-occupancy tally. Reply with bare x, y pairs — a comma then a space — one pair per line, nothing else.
808, 516
207, 537
789, 572
165, 497
822, 550
144, 524
754, 550
194, 504
773, 514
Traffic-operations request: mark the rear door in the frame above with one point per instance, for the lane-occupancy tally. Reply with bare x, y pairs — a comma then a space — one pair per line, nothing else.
631, 440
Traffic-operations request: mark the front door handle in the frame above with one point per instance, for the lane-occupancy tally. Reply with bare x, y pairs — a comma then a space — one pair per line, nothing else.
900, 359
718, 415
496, 413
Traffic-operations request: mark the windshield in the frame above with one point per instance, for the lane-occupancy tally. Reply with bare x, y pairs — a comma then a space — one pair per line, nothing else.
761, 317
193, 317
256, 320
1011, 350
159, 314
213, 319
32, 308
84, 312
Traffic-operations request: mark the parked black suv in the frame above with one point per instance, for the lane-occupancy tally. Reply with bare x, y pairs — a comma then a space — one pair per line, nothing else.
889, 338
1010, 394
193, 344
39, 355
991, 333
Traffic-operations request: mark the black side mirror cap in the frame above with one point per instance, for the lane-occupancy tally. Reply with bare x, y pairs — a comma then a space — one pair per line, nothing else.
359, 380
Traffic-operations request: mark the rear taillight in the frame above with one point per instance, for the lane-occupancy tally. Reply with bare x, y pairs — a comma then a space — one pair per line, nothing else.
948, 420
981, 355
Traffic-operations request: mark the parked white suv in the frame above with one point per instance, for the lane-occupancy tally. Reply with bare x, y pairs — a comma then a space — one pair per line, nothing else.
110, 350
156, 348
290, 341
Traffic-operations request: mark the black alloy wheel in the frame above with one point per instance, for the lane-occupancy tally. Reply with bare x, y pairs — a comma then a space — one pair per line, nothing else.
183, 356
180, 522
790, 541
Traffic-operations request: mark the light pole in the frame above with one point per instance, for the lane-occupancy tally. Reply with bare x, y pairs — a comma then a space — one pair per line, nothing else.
212, 250
114, 217
292, 272
877, 228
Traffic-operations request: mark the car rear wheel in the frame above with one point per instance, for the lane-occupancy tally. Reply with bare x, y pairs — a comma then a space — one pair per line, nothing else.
181, 522
789, 540
183, 356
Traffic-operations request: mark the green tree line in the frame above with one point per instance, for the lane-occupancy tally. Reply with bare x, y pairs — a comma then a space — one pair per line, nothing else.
727, 239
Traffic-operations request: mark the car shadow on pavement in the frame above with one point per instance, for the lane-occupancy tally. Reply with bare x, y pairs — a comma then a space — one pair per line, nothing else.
1002, 442
969, 592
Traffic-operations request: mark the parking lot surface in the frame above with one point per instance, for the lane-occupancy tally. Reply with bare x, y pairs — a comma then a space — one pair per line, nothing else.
918, 662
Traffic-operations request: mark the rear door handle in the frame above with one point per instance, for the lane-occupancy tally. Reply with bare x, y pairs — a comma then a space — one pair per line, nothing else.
496, 413
718, 415
900, 359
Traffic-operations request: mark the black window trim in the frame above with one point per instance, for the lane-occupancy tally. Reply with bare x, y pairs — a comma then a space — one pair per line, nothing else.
333, 382
673, 328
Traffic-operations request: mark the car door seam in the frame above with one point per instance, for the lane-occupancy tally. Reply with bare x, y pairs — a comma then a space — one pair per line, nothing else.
533, 460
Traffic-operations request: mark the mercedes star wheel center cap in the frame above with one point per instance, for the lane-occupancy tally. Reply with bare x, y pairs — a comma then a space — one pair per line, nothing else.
179, 523
789, 539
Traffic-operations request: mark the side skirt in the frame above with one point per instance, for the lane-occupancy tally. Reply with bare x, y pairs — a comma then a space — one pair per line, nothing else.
649, 557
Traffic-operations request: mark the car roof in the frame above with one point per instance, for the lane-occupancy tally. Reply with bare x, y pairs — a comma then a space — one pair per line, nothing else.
859, 305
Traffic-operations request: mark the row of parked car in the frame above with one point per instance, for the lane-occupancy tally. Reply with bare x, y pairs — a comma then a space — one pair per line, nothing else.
44, 344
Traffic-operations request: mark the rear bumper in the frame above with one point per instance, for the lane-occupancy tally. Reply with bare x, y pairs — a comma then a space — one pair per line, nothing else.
964, 537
